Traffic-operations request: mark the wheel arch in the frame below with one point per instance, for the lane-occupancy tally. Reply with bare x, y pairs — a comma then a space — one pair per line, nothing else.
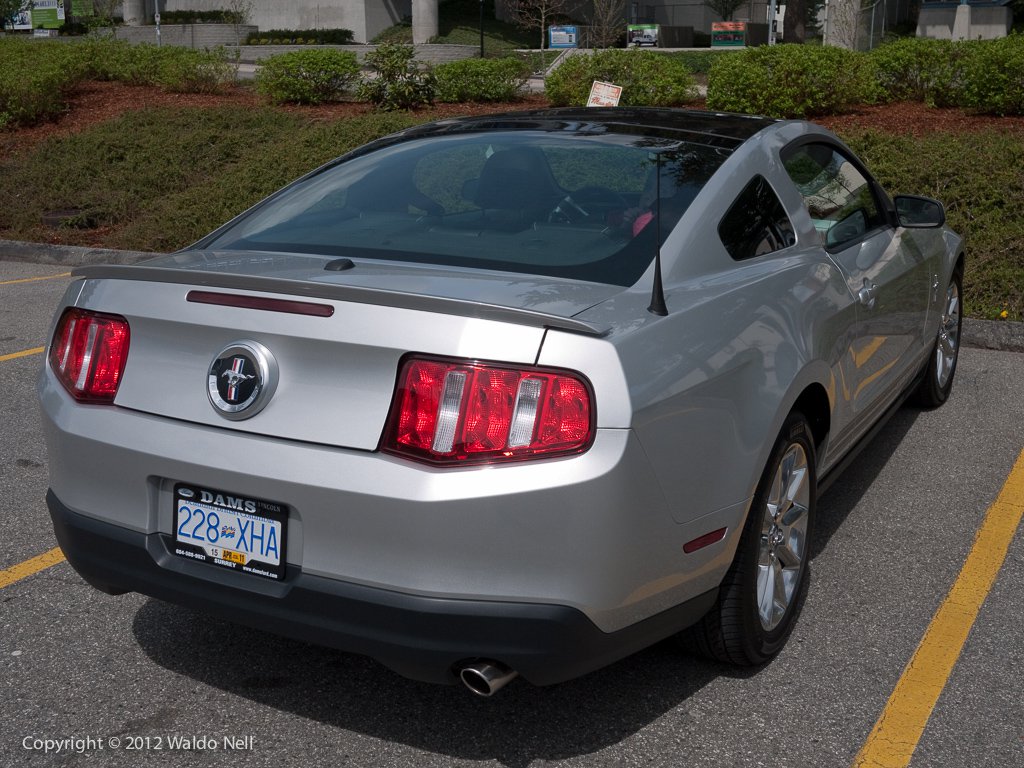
814, 403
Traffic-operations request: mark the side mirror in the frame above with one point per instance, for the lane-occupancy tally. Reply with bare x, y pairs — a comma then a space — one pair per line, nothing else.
850, 228
919, 212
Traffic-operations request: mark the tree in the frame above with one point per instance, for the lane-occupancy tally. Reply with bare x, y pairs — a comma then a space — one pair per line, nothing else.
841, 24
794, 24
103, 15
608, 22
724, 8
11, 8
239, 11
531, 14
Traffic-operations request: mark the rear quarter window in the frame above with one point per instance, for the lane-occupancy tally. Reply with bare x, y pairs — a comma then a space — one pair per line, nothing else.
756, 223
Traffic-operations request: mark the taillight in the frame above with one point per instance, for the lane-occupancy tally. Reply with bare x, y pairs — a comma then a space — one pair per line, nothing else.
463, 412
88, 354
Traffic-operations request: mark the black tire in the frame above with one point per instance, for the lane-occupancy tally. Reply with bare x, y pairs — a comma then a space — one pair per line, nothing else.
734, 631
937, 381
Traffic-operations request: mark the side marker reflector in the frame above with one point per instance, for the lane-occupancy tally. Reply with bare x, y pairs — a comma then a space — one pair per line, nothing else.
704, 541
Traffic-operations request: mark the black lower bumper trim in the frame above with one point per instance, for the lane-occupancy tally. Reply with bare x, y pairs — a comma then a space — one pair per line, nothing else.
419, 637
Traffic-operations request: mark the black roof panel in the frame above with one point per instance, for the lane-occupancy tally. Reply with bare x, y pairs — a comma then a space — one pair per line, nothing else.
716, 128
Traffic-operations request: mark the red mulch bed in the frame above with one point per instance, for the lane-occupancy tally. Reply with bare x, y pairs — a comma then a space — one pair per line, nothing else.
96, 102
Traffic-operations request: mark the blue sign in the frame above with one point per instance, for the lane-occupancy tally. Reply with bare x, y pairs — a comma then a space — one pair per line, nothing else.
563, 37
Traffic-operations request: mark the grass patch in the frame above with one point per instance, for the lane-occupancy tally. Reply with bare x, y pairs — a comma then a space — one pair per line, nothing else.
978, 177
162, 178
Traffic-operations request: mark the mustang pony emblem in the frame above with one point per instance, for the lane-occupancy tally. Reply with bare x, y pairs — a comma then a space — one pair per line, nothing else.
235, 377
241, 379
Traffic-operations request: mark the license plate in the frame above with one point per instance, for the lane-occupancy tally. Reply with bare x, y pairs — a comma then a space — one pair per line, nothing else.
230, 531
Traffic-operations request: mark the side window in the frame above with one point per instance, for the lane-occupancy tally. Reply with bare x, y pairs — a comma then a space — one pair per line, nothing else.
836, 194
756, 223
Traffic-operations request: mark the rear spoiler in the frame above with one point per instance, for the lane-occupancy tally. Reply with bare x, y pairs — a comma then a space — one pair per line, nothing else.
334, 292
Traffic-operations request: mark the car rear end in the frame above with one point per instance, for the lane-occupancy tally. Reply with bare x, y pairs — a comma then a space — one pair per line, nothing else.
523, 537
364, 414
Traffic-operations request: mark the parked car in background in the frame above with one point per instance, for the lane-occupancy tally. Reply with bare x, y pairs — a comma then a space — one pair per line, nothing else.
518, 394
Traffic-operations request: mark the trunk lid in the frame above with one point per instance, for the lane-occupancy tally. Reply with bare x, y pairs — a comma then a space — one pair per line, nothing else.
332, 377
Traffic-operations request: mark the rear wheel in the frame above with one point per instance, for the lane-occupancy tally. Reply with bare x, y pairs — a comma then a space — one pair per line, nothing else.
762, 592
941, 366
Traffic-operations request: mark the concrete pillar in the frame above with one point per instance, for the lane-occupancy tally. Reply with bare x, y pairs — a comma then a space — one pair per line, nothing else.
134, 12
424, 20
962, 22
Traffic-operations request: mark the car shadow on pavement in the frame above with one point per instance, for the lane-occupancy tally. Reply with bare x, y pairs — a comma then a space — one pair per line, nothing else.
842, 497
520, 724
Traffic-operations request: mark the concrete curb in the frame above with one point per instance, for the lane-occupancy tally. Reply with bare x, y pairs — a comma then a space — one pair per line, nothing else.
994, 334
67, 255
983, 334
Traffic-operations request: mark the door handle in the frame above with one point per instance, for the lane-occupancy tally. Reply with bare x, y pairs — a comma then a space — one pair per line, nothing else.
866, 295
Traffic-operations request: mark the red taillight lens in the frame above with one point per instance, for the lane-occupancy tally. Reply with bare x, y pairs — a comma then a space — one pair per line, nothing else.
462, 412
88, 354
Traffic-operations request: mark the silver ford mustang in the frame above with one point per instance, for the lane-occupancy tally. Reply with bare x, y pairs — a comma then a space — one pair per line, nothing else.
518, 394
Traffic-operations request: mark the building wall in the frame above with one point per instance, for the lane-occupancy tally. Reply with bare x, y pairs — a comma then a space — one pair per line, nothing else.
366, 18
672, 13
198, 36
982, 22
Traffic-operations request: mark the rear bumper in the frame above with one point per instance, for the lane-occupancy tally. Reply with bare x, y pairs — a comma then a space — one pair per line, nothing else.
420, 637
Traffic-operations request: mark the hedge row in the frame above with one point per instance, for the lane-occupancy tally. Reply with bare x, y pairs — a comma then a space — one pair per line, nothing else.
396, 80
802, 81
202, 17
36, 75
980, 74
780, 81
35, 79
300, 37
647, 78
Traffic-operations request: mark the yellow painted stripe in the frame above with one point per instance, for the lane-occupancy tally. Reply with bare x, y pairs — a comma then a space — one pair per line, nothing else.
34, 565
23, 353
895, 736
34, 279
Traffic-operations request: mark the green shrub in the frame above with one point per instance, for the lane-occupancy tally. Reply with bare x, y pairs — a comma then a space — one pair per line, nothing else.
173, 68
319, 36
307, 77
397, 82
977, 176
994, 75
35, 77
920, 69
700, 62
105, 58
647, 78
481, 79
184, 70
791, 81
202, 17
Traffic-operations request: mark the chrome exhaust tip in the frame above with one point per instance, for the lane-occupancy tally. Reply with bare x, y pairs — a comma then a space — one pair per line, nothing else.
485, 677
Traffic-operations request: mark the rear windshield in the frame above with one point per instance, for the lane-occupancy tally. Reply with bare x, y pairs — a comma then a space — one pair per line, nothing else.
588, 207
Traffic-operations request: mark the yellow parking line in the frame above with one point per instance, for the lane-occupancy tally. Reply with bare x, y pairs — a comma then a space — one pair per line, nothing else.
895, 736
33, 565
34, 279
23, 353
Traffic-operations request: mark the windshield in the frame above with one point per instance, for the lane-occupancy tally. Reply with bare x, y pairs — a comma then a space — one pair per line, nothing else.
588, 207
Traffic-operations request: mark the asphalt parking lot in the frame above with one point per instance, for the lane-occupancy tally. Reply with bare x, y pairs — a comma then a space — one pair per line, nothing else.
132, 681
